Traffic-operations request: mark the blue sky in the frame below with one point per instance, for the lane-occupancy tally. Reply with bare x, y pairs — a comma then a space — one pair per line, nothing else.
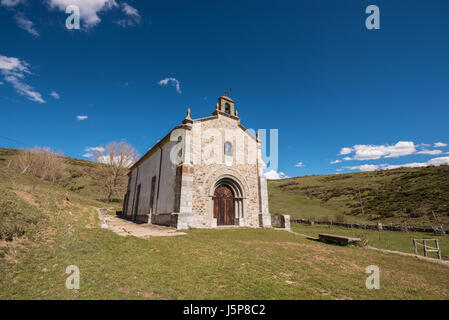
311, 69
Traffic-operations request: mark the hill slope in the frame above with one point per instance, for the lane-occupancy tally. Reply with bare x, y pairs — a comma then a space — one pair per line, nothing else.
54, 226
417, 196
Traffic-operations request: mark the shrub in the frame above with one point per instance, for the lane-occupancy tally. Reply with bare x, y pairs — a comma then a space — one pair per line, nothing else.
42, 163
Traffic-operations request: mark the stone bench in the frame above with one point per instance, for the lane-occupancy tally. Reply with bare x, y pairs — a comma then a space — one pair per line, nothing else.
341, 240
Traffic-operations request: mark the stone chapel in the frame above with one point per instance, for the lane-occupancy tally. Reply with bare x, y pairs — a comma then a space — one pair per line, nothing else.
204, 173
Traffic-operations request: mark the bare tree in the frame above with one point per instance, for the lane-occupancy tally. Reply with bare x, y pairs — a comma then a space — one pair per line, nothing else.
42, 163
115, 161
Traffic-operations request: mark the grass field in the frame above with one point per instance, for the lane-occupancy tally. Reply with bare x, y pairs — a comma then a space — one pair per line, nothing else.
211, 264
47, 227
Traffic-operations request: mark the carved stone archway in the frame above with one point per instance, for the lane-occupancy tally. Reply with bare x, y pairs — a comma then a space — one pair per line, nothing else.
226, 177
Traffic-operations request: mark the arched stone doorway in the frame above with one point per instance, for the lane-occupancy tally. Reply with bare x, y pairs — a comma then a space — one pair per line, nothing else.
224, 210
227, 201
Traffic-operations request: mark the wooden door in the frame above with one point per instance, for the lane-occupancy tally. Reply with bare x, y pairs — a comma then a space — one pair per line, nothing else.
224, 206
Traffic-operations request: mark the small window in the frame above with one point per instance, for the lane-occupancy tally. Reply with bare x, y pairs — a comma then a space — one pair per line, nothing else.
227, 108
228, 148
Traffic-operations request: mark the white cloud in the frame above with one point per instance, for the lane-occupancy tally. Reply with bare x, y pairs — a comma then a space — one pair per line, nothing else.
94, 149
405, 165
432, 162
132, 16
91, 151
400, 149
371, 152
299, 165
440, 144
26, 24
97, 153
89, 9
173, 82
438, 161
365, 167
274, 175
431, 152
10, 3
344, 151
335, 162
81, 118
55, 95
14, 71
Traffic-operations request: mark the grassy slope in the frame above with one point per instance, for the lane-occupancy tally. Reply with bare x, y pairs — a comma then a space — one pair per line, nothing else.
210, 264
396, 196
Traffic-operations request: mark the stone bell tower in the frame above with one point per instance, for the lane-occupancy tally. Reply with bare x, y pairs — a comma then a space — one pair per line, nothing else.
226, 105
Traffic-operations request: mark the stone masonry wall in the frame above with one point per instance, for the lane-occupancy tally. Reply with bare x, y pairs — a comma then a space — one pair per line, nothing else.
206, 149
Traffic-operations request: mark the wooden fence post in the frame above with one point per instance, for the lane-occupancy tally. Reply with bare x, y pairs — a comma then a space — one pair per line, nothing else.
438, 248
425, 247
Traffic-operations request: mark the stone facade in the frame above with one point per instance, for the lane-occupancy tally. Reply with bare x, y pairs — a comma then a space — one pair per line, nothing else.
174, 183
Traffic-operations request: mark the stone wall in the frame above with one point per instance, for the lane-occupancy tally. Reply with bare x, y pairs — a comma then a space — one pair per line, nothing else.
206, 149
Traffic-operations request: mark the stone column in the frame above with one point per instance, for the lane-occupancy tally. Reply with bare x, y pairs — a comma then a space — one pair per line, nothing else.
185, 218
185, 215
264, 216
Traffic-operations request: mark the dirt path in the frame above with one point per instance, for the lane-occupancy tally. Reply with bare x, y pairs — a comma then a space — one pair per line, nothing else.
127, 228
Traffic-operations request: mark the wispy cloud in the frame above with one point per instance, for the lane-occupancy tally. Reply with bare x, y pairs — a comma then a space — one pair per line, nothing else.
365, 167
14, 71
89, 10
440, 145
335, 161
431, 152
274, 175
132, 16
81, 118
10, 3
55, 95
344, 151
372, 167
171, 81
91, 151
299, 165
432, 162
26, 24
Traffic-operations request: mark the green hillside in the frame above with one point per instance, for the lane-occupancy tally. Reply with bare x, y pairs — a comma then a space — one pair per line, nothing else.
416, 196
45, 227
80, 178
